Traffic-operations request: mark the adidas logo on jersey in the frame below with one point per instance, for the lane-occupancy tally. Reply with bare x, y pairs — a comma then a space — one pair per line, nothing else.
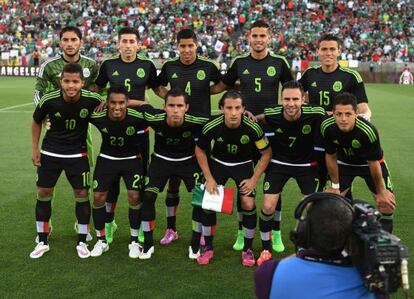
57, 114
246, 72
279, 130
115, 73
174, 76
104, 130
313, 84
220, 139
336, 141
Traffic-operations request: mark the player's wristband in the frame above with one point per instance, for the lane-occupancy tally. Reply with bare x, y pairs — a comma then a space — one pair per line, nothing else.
335, 185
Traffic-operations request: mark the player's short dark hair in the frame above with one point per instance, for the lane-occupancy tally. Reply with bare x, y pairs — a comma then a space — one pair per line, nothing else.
74, 29
345, 98
176, 92
231, 94
185, 34
329, 37
330, 222
293, 84
128, 30
119, 89
72, 68
260, 24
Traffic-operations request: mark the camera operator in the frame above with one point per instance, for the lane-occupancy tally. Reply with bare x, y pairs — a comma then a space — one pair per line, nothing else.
319, 269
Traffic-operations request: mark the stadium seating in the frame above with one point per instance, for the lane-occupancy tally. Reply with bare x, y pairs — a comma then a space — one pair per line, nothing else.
378, 30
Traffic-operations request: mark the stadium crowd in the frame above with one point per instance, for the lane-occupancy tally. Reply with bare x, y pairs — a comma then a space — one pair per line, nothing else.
372, 30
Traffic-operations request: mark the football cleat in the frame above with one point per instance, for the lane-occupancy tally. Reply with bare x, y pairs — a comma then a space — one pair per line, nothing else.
39, 250
83, 251
99, 248
169, 237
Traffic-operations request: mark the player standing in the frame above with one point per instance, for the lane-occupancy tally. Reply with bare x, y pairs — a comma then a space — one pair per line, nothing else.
192, 74
259, 73
135, 73
63, 149
324, 82
48, 79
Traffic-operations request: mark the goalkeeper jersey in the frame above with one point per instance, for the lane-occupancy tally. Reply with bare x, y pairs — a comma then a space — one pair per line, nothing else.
49, 75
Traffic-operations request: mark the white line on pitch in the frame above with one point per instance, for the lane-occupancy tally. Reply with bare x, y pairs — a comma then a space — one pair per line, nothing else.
15, 106
16, 111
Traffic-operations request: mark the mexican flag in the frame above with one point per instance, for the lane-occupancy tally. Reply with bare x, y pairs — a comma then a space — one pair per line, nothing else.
221, 202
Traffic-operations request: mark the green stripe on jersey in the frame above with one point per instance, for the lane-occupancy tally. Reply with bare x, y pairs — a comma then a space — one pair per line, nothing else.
90, 94
51, 95
326, 123
313, 110
159, 116
280, 57
367, 130
135, 113
213, 123
209, 60
255, 126
273, 111
353, 72
238, 57
99, 114
195, 119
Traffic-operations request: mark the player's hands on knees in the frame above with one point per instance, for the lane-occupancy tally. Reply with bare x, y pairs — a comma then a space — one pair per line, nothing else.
385, 200
46, 123
211, 186
100, 107
247, 186
36, 157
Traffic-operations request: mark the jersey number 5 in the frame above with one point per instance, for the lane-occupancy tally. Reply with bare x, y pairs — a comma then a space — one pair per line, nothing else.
324, 98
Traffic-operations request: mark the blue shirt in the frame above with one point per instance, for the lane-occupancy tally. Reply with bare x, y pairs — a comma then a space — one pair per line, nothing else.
298, 278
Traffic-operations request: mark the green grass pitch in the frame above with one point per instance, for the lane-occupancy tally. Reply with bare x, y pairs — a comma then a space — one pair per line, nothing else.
169, 274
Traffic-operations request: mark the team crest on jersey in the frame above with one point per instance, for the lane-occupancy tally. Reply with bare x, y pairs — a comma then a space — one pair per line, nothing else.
186, 134
244, 139
86, 72
337, 86
201, 75
306, 129
83, 113
130, 131
266, 186
271, 71
356, 144
140, 73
